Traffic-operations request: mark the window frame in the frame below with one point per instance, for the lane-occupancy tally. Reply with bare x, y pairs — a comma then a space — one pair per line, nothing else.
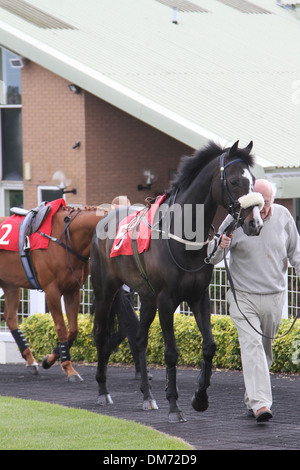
46, 187
7, 186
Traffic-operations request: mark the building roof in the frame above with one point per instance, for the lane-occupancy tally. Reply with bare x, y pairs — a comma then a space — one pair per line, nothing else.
219, 73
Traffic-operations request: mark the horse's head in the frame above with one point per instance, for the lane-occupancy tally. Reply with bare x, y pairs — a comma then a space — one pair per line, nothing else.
233, 188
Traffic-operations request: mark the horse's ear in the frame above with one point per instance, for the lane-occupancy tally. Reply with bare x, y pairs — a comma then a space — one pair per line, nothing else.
234, 148
249, 147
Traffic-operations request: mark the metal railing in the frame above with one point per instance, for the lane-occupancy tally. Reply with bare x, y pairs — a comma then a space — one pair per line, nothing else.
34, 302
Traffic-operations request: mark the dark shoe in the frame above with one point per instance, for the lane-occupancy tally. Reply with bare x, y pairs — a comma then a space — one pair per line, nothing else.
263, 415
250, 414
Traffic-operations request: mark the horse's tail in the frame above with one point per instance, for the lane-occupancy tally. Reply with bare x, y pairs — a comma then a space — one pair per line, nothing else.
115, 333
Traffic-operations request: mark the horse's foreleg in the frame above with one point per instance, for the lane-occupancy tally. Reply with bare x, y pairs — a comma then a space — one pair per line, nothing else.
147, 314
202, 316
72, 305
63, 350
12, 300
171, 357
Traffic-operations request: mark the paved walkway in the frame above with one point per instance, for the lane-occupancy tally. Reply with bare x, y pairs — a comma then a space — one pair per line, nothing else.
224, 426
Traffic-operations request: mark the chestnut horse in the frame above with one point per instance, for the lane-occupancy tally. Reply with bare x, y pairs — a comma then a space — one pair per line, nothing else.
168, 272
61, 271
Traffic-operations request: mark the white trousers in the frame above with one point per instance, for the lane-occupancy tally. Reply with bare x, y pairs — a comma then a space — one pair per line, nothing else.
264, 312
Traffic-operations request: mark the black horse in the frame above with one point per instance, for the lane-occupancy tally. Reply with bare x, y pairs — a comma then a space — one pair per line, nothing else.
173, 269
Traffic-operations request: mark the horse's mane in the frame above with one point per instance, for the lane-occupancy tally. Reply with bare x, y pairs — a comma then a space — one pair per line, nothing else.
190, 166
81, 208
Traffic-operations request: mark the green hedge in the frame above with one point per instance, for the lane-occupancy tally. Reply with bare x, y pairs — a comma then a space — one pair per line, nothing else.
40, 332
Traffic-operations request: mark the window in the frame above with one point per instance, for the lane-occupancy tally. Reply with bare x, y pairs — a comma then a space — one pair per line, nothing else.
11, 152
49, 193
11, 133
10, 90
12, 198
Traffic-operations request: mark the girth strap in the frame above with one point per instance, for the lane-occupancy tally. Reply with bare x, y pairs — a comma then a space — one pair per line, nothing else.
29, 225
28, 267
136, 255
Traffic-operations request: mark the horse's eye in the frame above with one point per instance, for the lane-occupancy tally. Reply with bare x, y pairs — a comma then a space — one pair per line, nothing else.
234, 182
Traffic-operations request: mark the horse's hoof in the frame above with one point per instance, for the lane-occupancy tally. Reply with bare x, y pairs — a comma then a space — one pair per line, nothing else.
150, 405
104, 400
33, 368
200, 403
176, 417
75, 378
45, 363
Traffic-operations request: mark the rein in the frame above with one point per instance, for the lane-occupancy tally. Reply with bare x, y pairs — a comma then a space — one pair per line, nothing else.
66, 232
228, 230
170, 251
237, 304
175, 237
234, 209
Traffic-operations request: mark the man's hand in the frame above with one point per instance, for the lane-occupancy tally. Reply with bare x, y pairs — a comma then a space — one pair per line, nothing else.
225, 241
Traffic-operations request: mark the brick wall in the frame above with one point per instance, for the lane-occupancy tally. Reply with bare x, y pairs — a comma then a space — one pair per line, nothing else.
52, 123
115, 148
119, 148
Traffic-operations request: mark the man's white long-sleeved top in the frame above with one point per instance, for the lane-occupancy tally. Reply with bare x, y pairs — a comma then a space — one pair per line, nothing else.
259, 264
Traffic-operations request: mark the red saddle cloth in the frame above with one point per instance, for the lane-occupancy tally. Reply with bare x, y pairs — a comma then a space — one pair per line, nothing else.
122, 244
9, 230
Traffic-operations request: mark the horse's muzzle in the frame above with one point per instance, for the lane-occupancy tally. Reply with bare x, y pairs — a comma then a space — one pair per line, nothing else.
253, 226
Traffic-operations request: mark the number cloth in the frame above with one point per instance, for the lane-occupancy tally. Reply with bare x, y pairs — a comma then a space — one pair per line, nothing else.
9, 230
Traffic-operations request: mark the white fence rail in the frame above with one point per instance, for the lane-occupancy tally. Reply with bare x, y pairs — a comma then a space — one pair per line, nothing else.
34, 302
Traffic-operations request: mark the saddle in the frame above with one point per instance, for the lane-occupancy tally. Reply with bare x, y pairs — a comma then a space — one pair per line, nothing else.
30, 224
33, 218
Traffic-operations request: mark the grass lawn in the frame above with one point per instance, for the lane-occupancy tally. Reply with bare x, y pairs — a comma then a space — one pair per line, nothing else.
33, 425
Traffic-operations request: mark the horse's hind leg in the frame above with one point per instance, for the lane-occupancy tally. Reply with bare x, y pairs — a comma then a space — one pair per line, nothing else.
102, 341
147, 314
202, 316
171, 357
12, 300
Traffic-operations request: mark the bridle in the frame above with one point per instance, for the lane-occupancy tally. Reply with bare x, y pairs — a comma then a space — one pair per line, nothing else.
234, 208
233, 205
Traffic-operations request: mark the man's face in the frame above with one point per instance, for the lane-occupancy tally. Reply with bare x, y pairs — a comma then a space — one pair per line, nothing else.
266, 190
267, 194
265, 212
